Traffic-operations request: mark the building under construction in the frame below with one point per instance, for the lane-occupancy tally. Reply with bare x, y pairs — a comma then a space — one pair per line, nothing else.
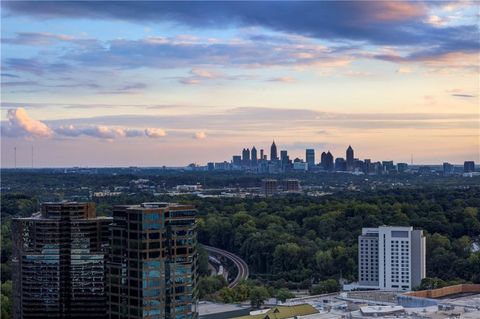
152, 269
59, 262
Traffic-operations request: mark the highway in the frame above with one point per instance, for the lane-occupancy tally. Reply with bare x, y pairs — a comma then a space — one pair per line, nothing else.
237, 261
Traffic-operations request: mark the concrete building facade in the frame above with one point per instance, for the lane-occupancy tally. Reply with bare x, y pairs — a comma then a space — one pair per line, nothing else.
391, 258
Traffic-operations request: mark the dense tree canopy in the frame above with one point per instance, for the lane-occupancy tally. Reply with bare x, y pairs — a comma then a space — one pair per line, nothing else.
302, 241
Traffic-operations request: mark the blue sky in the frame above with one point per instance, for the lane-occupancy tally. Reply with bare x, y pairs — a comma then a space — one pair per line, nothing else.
198, 81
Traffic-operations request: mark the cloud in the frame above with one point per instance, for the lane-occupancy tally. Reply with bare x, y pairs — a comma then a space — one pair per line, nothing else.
36, 38
122, 54
464, 95
20, 123
400, 11
200, 135
105, 132
283, 79
405, 70
399, 23
265, 120
438, 60
68, 130
189, 81
19, 83
203, 73
373, 21
435, 20
9, 75
99, 131
358, 74
35, 66
155, 132
129, 88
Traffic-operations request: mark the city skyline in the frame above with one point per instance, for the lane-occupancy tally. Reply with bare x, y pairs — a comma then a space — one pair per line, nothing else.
103, 83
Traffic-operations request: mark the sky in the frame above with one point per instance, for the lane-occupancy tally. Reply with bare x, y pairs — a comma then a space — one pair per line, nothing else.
171, 83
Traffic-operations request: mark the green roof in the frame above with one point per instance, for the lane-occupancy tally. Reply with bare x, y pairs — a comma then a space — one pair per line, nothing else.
283, 312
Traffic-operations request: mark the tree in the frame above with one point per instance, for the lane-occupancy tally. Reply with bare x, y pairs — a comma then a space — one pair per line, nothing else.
210, 285
227, 295
284, 294
6, 300
325, 287
431, 283
203, 269
324, 262
258, 295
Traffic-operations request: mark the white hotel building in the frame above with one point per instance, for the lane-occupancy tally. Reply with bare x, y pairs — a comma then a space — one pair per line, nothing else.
391, 258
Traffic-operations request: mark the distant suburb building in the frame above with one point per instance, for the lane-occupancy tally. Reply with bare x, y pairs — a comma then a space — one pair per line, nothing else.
59, 262
391, 258
291, 185
269, 186
152, 269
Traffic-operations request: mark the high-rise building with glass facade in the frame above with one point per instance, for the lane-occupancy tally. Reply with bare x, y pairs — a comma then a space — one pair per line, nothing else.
273, 152
253, 156
350, 158
59, 262
469, 166
310, 157
152, 268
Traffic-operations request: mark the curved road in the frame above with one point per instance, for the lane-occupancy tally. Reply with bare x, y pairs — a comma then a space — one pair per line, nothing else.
237, 261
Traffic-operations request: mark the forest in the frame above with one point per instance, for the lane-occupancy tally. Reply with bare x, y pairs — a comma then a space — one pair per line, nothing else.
299, 240
302, 242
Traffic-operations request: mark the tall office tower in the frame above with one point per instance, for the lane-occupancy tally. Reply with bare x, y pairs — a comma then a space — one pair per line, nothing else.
210, 166
388, 166
237, 160
246, 157
469, 166
350, 159
448, 168
152, 265
310, 157
261, 154
269, 186
329, 161
367, 164
323, 160
273, 152
284, 155
391, 258
254, 156
291, 185
59, 262
340, 164
402, 167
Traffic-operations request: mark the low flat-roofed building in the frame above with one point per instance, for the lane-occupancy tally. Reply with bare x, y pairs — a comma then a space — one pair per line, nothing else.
281, 312
375, 311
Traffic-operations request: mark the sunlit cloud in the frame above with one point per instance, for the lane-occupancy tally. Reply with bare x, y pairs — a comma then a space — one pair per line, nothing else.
155, 132
405, 70
435, 20
200, 135
19, 123
36, 38
283, 79
399, 10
